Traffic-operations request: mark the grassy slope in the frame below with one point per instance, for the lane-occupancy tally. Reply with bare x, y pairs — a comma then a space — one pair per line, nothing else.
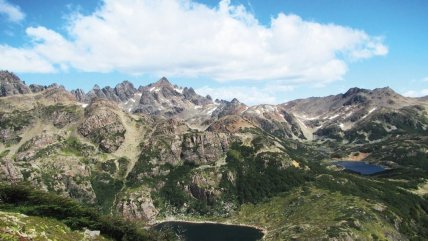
16, 226
306, 213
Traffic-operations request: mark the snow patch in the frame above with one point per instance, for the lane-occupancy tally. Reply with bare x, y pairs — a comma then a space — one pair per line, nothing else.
210, 112
333, 117
179, 90
246, 108
370, 111
304, 117
154, 89
349, 114
83, 105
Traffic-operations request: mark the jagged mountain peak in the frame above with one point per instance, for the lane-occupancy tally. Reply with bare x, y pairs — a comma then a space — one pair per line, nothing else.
385, 90
235, 101
11, 84
355, 90
162, 82
9, 76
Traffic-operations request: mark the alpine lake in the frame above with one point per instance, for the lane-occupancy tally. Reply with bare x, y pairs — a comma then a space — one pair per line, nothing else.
360, 167
211, 231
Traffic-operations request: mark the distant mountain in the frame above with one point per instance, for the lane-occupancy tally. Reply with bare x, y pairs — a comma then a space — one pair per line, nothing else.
161, 150
338, 117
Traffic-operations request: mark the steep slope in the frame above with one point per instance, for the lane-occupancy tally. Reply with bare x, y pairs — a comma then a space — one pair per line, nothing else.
10, 84
358, 112
162, 151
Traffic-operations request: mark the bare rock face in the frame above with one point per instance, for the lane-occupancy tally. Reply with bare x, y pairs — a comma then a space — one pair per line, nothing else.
229, 124
57, 94
125, 90
226, 108
62, 115
37, 88
9, 171
137, 205
80, 95
103, 126
8, 135
31, 149
203, 148
122, 92
12, 124
204, 186
10, 84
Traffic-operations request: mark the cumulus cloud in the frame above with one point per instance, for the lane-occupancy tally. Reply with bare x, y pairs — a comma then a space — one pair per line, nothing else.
23, 60
248, 95
12, 12
186, 38
416, 93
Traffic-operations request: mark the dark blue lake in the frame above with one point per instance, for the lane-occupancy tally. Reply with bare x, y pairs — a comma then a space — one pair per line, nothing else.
211, 232
360, 167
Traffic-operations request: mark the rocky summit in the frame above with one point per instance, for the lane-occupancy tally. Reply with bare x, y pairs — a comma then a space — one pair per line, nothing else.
163, 152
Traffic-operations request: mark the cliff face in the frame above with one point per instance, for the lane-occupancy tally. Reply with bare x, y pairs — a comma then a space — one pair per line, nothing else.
137, 205
103, 126
162, 150
203, 148
10, 84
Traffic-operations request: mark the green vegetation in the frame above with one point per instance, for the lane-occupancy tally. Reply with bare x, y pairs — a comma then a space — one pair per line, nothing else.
410, 207
22, 199
171, 191
15, 120
109, 166
307, 212
68, 109
123, 166
106, 187
259, 176
15, 227
4, 153
73, 146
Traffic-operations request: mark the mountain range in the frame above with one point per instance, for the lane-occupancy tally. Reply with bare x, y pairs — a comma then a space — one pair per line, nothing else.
162, 151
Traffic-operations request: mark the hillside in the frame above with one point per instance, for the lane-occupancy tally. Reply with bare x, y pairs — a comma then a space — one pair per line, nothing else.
161, 151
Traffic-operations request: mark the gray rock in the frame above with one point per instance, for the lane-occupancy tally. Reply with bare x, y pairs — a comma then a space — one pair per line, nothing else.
10, 84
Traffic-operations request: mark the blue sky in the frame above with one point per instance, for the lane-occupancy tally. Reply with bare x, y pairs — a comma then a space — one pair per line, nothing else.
267, 51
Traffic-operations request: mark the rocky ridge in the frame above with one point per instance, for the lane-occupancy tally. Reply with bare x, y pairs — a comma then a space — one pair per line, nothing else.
190, 154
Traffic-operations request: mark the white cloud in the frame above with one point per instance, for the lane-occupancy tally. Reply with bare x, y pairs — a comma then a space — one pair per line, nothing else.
425, 79
248, 95
185, 38
23, 60
12, 12
416, 93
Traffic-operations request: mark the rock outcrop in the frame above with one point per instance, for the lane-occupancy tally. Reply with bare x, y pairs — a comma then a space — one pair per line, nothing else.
203, 148
103, 126
9, 172
137, 205
10, 84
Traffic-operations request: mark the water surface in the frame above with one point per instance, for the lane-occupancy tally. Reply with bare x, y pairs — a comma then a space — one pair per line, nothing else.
360, 167
212, 232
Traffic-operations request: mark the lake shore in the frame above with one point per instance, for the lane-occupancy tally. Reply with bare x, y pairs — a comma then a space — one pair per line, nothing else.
173, 219
356, 157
